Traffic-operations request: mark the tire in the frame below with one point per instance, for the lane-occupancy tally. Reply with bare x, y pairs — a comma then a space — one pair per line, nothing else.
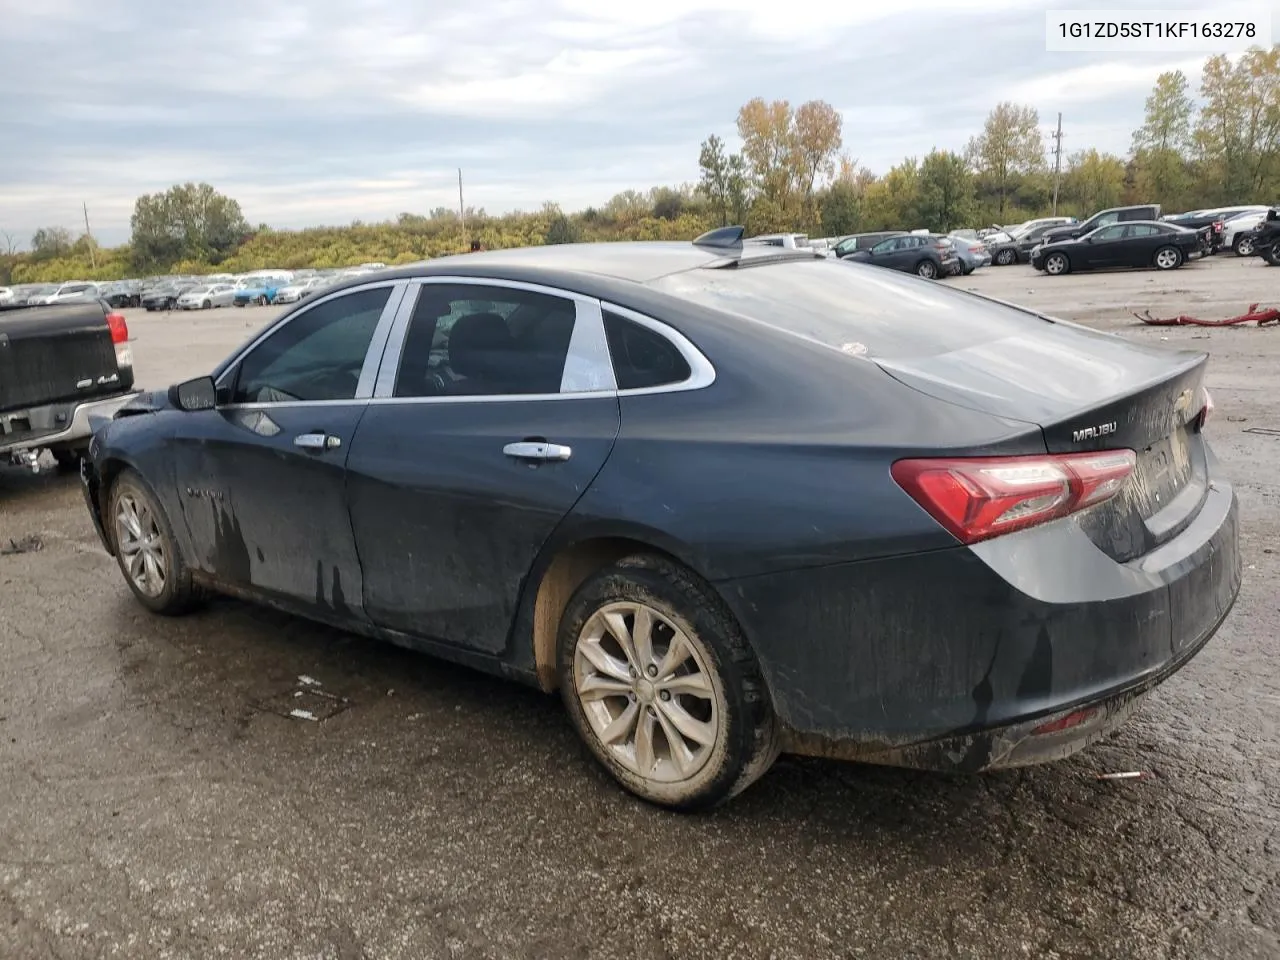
262, 301
1056, 264
130, 496
927, 269
1243, 245
1006, 258
68, 458
207, 305
722, 695
1167, 258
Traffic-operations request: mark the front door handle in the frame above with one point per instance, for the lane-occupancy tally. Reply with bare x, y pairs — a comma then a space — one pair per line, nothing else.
317, 441
537, 450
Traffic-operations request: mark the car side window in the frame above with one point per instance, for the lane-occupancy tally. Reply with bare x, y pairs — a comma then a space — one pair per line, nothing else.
318, 355
1142, 230
884, 246
1111, 233
1106, 218
642, 357
469, 340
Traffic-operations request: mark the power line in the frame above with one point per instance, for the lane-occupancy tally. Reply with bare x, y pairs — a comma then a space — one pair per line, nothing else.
1057, 164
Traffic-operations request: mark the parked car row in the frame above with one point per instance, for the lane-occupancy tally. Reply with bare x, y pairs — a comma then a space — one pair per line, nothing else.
187, 292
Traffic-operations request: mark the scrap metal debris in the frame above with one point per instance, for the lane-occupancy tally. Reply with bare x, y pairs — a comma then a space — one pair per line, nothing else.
1262, 431
28, 544
1254, 315
303, 702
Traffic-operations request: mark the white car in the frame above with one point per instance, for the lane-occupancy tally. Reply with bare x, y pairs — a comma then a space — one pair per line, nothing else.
67, 291
207, 297
1236, 232
5, 294
297, 290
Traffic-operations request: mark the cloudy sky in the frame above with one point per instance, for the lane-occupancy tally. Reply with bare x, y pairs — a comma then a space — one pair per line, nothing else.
325, 111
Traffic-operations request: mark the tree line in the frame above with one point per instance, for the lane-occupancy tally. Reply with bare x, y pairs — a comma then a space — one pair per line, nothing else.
1218, 146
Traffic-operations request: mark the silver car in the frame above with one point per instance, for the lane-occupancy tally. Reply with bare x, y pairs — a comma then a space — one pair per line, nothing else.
208, 296
295, 291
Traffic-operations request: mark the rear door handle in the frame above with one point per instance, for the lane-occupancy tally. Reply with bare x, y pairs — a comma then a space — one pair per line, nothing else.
317, 441
537, 450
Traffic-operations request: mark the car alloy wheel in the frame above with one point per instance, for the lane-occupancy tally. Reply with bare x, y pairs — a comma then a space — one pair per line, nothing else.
143, 552
1244, 247
662, 686
644, 687
1005, 258
927, 269
1056, 264
207, 305
1167, 258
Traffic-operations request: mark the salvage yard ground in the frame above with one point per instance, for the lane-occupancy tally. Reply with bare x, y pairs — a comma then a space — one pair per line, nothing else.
157, 800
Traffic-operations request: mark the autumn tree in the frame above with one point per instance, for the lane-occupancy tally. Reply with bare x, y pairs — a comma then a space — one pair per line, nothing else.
1160, 145
945, 191
49, 243
1093, 181
1009, 147
186, 222
788, 154
1237, 135
892, 202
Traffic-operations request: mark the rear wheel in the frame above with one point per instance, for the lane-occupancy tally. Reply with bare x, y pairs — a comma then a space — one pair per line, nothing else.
1057, 264
1243, 245
662, 687
207, 305
1168, 258
927, 269
146, 549
262, 300
1006, 257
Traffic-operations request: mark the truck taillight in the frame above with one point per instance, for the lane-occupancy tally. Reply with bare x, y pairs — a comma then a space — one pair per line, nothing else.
118, 327
976, 498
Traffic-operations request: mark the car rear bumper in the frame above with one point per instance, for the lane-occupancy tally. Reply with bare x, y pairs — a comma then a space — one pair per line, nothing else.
61, 424
951, 660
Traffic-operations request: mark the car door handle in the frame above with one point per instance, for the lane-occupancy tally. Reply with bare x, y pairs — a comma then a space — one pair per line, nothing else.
317, 441
537, 450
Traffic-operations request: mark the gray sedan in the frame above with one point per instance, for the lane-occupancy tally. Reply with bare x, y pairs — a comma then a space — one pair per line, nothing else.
208, 296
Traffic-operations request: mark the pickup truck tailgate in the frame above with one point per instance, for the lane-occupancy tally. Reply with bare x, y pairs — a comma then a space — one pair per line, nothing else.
55, 354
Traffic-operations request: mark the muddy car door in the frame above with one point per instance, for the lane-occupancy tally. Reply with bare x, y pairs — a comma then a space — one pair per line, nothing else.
262, 477
494, 410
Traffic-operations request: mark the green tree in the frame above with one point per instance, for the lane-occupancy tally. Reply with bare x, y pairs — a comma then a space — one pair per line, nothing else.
48, 243
1160, 169
1093, 181
561, 230
892, 202
945, 191
1009, 147
714, 167
667, 203
840, 207
189, 221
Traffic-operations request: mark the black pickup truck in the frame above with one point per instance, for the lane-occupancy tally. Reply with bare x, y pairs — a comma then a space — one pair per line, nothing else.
59, 366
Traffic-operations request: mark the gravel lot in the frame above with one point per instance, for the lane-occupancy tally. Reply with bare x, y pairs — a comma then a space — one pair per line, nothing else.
149, 809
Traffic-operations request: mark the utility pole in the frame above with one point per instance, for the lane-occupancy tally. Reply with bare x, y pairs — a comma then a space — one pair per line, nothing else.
93, 256
462, 211
1057, 164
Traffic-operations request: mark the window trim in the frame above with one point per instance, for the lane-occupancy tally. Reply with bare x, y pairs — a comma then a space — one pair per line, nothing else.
368, 371
701, 372
588, 368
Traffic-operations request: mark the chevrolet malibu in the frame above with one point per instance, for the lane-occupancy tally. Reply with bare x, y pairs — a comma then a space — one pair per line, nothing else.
727, 499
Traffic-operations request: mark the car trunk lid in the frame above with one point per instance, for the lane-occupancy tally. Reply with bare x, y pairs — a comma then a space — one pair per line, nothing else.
1090, 392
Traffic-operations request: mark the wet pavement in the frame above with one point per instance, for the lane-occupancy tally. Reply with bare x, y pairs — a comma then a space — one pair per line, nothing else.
155, 802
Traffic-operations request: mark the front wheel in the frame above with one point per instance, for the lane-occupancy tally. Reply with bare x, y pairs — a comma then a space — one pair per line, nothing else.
1006, 258
207, 305
662, 687
927, 269
262, 301
1056, 264
1168, 258
1243, 246
146, 549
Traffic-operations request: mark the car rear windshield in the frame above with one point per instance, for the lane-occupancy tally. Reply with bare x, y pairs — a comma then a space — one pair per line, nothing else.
852, 307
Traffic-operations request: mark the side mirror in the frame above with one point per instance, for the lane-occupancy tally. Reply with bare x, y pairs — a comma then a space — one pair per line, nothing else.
197, 394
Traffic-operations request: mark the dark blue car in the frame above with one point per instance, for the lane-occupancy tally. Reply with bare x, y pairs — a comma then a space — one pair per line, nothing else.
728, 499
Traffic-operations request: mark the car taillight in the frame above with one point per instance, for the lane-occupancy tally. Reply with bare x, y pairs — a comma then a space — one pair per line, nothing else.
1206, 410
976, 498
118, 327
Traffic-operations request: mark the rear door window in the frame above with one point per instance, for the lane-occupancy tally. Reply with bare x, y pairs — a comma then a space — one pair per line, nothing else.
470, 340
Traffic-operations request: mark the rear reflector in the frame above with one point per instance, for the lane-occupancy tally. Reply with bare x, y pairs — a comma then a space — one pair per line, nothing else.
119, 329
1065, 723
977, 498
